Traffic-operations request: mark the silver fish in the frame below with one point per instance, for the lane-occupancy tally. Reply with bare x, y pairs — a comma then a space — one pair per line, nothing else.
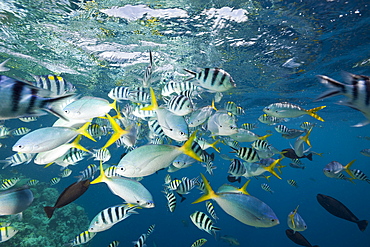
216, 80
16, 200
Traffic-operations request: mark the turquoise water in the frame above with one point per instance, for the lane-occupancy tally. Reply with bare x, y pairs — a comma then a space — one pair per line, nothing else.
96, 50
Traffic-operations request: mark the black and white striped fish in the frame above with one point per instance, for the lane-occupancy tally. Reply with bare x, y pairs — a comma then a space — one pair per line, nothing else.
108, 217
139, 95
208, 162
8, 183
20, 131
102, 154
203, 222
171, 199
155, 128
119, 93
282, 129
148, 72
54, 180
213, 79
20, 99
180, 105
73, 156
88, 172
17, 159
292, 182
150, 230
267, 188
55, 84
270, 120
141, 241
32, 182
237, 168
82, 238
186, 185
248, 154
211, 210
357, 90
360, 175
115, 243
248, 126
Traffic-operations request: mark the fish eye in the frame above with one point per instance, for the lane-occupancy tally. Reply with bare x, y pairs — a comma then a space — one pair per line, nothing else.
272, 220
66, 111
20, 147
182, 133
138, 202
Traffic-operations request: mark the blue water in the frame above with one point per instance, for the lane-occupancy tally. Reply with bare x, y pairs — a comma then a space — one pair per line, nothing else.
324, 37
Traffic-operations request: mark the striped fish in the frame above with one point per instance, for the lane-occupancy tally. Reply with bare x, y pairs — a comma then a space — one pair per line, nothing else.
360, 175
199, 242
180, 105
20, 131
55, 84
108, 217
6, 233
171, 199
148, 72
237, 168
150, 230
155, 128
88, 172
357, 90
270, 120
208, 162
95, 130
307, 125
54, 180
4, 132
115, 243
211, 210
282, 129
73, 156
292, 182
174, 184
32, 182
267, 188
290, 110
102, 154
248, 126
17, 159
216, 80
248, 154
119, 93
8, 183
167, 179
141, 241
82, 238
203, 222
139, 95
186, 185
20, 99
66, 173
28, 119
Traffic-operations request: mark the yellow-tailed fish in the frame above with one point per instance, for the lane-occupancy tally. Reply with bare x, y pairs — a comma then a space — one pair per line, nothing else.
244, 135
147, 159
289, 110
131, 191
298, 144
245, 208
295, 221
45, 139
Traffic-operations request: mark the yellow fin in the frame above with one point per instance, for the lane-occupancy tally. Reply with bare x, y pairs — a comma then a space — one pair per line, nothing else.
209, 194
213, 145
186, 148
117, 132
102, 178
305, 138
291, 216
312, 113
271, 167
243, 189
153, 99
83, 131
47, 165
76, 144
264, 137
346, 167
213, 105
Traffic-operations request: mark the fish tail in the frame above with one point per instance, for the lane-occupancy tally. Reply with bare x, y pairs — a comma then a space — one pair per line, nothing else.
114, 106
76, 144
102, 177
309, 156
213, 105
213, 145
335, 87
153, 100
346, 168
271, 167
264, 137
186, 148
209, 194
243, 189
117, 132
83, 131
312, 112
49, 211
362, 224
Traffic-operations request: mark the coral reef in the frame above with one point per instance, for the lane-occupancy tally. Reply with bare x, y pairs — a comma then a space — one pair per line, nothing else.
35, 229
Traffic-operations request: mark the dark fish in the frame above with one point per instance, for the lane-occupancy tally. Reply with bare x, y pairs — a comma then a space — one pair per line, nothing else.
337, 208
233, 179
298, 238
69, 194
290, 153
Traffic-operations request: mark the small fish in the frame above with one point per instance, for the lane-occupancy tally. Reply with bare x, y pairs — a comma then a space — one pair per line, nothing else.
8, 183
28, 119
69, 194
334, 170
298, 238
211, 210
270, 120
289, 110
296, 164
102, 154
115, 243
20, 131
360, 175
108, 217
17, 159
199, 242
215, 80
282, 129
292, 182
290, 153
232, 241
180, 105
222, 123
199, 116
32, 182
307, 125
186, 185
150, 230
88, 172
339, 210
295, 221
119, 93
66, 173
6, 233
203, 222
365, 152
171, 199
248, 126
141, 241
248, 154
237, 168
82, 238
148, 72
267, 188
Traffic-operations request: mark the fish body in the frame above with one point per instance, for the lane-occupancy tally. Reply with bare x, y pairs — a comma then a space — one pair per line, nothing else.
339, 210
87, 107
357, 91
8, 183
70, 194
211, 210
289, 110
115, 243
267, 188
244, 135
54, 181
141, 241
298, 238
20, 99
6, 233
360, 175
88, 172
248, 154
334, 170
56, 85
299, 144
199, 116
213, 79
171, 200
295, 221
290, 153
199, 242
82, 238
203, 222
222, 123
365, 152
16, 200
108, 217
270, 120
119, 93
292, 182
180, 105
17, 159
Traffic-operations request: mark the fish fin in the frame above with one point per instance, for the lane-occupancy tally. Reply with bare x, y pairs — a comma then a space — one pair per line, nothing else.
49, 211
2, 66
83, 131
153, 100
213, 145
49, 106
102, 178
194, 74
76, 144
305, 138
271, 167
243, 189
346, 168
213, 105
209, 194
186, 148
335, 87
117, 132
264, 137
362, 224
49, 164
312, 113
